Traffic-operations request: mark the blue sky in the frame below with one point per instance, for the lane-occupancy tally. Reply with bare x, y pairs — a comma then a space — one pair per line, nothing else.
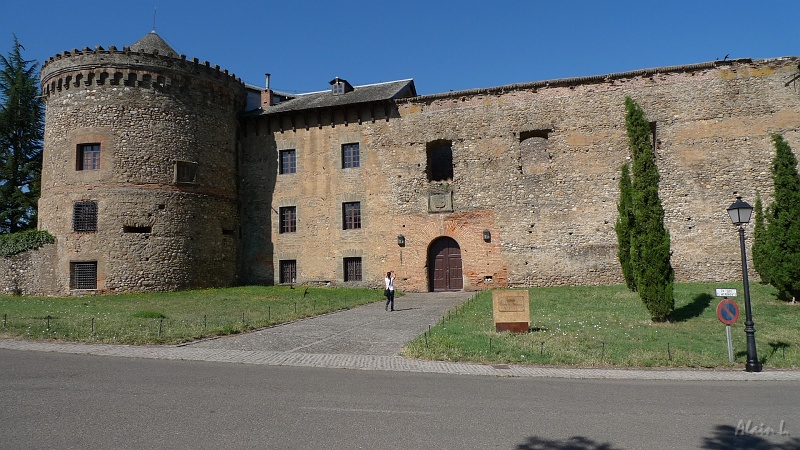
443, 45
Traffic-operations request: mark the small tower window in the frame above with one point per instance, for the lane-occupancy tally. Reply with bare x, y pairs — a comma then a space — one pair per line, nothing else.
83, 275
185, 172
88, 157
84, 217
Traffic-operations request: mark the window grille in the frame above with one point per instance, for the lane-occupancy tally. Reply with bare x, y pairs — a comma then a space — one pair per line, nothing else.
350, 156
288, 271
185, 172
88, 157
83, 275
288, 161
84, 217
288, 223
351, 215
352, 269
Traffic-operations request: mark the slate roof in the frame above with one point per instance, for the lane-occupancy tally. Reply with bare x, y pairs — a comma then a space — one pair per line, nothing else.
152, 41
360, 94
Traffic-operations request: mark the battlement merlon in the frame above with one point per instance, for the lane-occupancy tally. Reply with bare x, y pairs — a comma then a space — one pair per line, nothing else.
98, 59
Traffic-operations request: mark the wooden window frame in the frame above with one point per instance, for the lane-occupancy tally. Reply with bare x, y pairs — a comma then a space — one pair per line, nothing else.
288, 161
351, 155
287, 219
353, 269
88, 157
351, 215
287, 271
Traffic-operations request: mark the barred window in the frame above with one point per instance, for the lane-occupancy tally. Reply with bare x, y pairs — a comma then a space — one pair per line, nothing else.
288, 219
288, 161
88, 157
288, 271
351, 215
352, 269
84, 217
350, 156
185, 172
83, 275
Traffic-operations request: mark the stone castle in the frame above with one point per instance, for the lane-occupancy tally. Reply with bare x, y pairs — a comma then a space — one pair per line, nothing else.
163, 173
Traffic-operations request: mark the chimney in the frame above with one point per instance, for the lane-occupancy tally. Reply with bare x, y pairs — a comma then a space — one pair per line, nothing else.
266, 95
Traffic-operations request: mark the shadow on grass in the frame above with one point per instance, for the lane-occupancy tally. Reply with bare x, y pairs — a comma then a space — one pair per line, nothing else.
573, 443
782, 346
692, 310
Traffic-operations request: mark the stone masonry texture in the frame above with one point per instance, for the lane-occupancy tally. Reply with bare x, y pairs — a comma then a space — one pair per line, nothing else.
536, 165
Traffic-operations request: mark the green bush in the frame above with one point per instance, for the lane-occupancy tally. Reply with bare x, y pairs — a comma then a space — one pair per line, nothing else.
11, 244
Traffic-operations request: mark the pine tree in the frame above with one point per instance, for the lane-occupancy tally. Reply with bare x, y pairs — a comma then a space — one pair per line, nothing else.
624, 225
650, 241
782, 249
21, 133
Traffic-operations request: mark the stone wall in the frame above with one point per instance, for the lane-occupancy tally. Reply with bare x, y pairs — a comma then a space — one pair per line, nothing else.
29, 273
535, 164
149, 114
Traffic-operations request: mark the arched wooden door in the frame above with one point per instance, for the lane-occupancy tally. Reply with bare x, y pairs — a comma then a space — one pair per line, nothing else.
444, 265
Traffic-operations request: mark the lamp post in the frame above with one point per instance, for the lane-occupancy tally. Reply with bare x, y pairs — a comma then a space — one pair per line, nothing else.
740, 213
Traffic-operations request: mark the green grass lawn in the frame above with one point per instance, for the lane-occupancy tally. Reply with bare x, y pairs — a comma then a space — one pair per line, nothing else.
605, 326
609, 327
169, 318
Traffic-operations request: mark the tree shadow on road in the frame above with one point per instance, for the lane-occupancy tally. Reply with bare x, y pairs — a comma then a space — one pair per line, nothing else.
725, 437
573, 443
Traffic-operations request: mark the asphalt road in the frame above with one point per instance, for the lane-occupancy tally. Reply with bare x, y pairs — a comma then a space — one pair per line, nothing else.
58, 400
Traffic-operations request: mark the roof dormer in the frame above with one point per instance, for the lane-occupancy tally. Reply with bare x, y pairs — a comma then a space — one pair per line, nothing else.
340, 86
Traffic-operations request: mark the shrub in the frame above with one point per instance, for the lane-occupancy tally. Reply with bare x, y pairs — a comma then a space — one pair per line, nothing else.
11, 244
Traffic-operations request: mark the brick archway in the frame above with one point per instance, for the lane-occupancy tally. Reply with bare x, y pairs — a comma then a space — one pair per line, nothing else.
444, 265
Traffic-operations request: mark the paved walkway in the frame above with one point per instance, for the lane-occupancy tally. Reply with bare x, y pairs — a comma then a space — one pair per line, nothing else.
369, 338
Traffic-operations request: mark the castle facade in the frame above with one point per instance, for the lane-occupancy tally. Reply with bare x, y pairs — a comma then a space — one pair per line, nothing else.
164, 173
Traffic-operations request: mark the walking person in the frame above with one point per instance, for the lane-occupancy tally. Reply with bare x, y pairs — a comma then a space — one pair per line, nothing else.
389, 281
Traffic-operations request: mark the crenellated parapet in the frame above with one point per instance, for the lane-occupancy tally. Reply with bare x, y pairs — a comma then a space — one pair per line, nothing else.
87, 68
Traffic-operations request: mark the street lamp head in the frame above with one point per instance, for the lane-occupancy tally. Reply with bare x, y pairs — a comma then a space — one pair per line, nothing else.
740, 211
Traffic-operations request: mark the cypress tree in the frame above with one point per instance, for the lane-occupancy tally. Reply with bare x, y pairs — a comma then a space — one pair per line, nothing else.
624, 225
760, 249
782, 249
650, 241
21, 133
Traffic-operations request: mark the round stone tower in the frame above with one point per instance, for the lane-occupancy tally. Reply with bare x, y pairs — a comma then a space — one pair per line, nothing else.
139, 172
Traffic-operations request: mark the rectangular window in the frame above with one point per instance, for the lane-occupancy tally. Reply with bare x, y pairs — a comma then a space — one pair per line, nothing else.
84, 217
288, 271
350, 156
288, 161
88, 157
351, 215
136, 229
352, 269
185, 172
83, 275
288, 219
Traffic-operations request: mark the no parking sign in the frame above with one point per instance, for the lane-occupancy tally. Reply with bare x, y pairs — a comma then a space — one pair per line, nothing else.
728, 311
